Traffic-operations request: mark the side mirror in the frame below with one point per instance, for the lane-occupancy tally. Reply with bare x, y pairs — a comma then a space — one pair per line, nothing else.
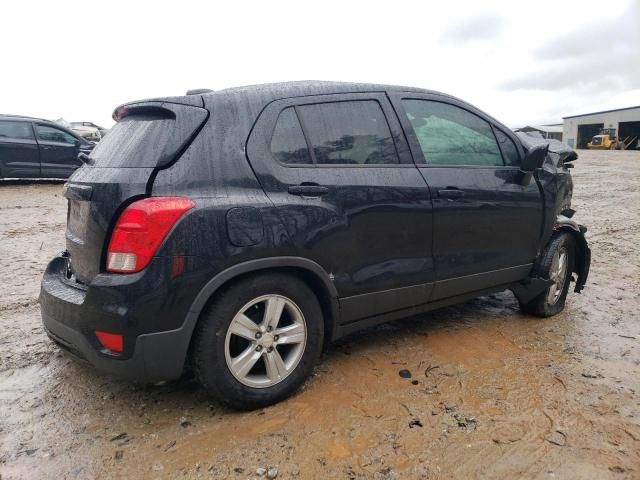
534, 158
84, 158
531, 162
76, 143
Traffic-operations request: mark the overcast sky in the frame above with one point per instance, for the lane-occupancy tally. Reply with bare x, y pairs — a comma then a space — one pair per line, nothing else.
523, 63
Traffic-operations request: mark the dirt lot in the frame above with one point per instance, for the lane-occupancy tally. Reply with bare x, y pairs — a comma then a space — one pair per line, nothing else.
493, 393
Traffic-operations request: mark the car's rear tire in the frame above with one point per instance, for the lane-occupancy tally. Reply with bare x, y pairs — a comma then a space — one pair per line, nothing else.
258, 340
556, 263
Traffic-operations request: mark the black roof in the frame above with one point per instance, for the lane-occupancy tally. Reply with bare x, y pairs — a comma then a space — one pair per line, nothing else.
318, 87
272, 91
302, 88
23, 118
261, 94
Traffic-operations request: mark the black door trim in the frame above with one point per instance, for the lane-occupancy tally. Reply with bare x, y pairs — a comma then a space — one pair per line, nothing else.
371, 304
358, 308
460, 285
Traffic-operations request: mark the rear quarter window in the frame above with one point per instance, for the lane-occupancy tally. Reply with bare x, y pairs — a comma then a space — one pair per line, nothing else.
287, 143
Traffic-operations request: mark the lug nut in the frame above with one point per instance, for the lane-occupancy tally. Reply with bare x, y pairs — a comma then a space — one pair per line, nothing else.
270, 349
258, 335
276, 338
269, 328
259, 348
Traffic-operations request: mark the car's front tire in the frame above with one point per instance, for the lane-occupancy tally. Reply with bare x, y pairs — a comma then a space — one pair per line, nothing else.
556, 264
258, 340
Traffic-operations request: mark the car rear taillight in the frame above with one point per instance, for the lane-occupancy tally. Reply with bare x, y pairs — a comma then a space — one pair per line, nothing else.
140, 230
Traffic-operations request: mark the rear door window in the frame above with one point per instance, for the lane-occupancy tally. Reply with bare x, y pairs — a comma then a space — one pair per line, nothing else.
287, 143
449, 135
51, 134
15, 130
348, 133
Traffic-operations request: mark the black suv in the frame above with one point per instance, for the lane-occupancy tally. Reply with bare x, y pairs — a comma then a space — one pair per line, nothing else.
239, 231
37, 148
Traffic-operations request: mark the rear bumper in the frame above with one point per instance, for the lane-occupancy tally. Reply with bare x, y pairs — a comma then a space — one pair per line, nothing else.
154, 358
71, 315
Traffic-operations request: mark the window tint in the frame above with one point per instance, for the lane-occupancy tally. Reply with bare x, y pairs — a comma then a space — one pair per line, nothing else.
287, 143
509, 150
51, 134
449, 135
141, 140
20, 130
349, 133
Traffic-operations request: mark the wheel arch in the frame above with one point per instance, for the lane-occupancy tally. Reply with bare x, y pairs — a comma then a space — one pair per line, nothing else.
307, 270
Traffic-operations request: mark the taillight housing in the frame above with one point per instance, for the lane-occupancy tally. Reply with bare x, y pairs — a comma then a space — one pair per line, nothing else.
140, 230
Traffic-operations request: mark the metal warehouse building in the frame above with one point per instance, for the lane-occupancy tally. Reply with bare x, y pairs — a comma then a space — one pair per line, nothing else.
578, 130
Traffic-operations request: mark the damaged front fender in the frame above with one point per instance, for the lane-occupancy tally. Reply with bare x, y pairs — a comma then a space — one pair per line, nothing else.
583, 252
531, 287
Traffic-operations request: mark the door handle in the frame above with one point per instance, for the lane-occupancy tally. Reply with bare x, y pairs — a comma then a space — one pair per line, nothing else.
308, 190
451, 193
45, 148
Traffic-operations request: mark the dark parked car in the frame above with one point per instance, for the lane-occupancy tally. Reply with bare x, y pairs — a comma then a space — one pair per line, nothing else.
240, 231
37, 148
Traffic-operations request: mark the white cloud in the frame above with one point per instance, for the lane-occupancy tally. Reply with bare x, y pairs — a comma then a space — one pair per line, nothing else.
482, 27
601, 56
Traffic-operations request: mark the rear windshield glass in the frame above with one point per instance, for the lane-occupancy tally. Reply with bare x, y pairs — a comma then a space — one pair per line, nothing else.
139, 141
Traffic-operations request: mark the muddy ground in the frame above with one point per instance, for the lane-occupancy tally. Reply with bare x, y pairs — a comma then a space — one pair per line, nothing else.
493, 393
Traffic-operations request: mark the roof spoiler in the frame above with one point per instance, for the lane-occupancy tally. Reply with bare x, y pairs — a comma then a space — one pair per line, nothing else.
198, 91
146, 108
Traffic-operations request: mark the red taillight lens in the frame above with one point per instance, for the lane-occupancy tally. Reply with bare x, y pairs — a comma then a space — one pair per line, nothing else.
110, 341
141, 229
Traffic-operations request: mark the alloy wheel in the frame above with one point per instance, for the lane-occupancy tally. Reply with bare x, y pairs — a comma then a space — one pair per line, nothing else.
558, 275
265, 341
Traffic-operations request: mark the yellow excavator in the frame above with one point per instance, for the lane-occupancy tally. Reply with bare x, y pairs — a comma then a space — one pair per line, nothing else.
608, 140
